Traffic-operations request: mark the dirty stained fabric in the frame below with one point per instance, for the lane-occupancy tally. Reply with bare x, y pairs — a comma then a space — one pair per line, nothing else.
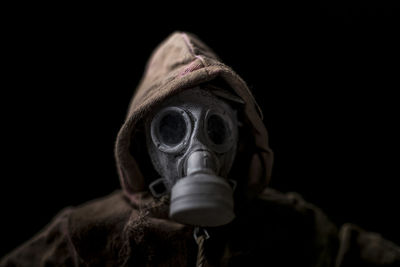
131, 228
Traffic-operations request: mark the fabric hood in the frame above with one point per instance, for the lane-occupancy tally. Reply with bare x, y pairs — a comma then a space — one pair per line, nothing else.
182, 62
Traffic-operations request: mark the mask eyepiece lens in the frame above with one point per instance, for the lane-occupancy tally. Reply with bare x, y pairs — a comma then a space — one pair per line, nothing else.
216, 129
172, 128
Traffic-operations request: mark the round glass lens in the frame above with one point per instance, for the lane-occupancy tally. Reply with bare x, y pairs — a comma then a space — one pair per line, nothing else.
216, 129
172, 128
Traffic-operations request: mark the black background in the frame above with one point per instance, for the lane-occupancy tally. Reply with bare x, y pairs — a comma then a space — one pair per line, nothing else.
325, 76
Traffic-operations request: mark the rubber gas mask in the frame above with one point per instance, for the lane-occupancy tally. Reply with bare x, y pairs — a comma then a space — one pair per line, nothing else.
192, 140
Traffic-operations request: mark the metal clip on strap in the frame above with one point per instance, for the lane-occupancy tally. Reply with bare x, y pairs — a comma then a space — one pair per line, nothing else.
199, 232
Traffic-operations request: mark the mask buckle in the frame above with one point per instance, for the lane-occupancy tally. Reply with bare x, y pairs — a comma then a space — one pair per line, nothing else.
159, 187
233, 184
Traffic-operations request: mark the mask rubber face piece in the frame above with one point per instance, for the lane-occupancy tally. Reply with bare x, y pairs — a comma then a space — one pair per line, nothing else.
192, 143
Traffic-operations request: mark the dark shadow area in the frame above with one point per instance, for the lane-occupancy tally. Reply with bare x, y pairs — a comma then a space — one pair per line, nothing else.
325, 77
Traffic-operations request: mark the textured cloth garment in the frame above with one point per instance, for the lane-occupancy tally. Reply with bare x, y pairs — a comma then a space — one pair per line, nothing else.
131, 228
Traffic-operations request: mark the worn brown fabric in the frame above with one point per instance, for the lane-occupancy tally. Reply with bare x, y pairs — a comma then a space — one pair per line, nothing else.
131, 228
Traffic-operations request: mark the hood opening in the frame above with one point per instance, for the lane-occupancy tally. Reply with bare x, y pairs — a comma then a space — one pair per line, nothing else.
245, 149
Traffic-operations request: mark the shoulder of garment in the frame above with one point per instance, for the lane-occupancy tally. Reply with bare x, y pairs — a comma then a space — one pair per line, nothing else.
282, 229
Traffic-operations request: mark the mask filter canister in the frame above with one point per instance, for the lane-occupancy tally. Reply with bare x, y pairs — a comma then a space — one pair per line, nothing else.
202, 198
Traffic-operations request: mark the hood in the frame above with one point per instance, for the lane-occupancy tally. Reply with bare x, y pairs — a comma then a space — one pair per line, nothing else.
182, 62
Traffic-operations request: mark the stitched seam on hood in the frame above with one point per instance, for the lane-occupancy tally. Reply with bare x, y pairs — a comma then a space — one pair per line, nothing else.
191, 49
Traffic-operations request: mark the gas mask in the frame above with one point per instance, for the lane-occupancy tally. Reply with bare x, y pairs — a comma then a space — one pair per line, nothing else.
192, 140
